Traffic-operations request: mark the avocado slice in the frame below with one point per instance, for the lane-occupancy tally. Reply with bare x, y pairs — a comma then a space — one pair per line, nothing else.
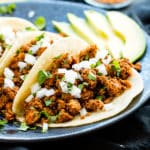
102, 27
81, 27
64, 28
130, 31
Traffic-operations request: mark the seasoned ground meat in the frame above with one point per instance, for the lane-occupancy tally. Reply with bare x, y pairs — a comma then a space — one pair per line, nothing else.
125, 68
93, 105
63, 116
88, 53
36, 103
66, 96
10, 93
137, 66
32, 116
86, 94
40, 51
49, 82
108, 100
85, 75
113, 86
61, 104
58, 62
73, 107
3, 101
1, 81
8, 114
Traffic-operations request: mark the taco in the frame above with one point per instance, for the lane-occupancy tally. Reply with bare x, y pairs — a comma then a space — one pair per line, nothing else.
75, 84
17, 63
9, 28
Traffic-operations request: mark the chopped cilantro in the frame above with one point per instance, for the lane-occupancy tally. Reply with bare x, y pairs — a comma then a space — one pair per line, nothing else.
29, 29
91, 76
69, 85
93, 65
40, 22
116, 67
24, 77
99, 73
7, 9
38, 38
11, 8
45, 114
1, 37
3, 122
24, 127
57, 57
98, 63
42, 76
8, 46
86, 57
53, 118
99, 97
48, 102
81, 86
30, 52
18, 51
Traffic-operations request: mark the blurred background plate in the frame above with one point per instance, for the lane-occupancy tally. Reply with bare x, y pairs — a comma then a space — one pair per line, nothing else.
109, 6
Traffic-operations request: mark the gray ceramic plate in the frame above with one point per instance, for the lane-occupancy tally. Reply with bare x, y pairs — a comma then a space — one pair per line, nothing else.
57, 11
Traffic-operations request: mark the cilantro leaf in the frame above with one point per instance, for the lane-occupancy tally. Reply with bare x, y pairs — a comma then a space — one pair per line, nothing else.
42, 76
40, 22
23, 127
91, 76
48, 102
3, 122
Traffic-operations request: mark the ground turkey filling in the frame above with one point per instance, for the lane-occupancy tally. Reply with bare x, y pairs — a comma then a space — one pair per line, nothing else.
7, 37
76, 86
16, 72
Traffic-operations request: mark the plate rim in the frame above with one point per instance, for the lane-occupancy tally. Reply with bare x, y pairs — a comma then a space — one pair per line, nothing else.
112, 120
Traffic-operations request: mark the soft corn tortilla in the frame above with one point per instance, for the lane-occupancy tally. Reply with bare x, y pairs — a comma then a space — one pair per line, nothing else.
17, 24
73, 47
26, 38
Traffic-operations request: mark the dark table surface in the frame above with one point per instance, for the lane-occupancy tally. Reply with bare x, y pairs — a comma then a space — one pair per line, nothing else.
132, 133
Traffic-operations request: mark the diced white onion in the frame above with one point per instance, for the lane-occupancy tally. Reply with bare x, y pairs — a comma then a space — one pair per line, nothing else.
22, 65
8, 73
93, 61
61, 70
63, 86
8, 34
31, 14
83, 112
107, 60
81, 65
8, 83
29, 59
35, 48
102, 69
44, 127
50, 92
41, 93
75, 91
29, 98
36, 87
71, 76
101, 54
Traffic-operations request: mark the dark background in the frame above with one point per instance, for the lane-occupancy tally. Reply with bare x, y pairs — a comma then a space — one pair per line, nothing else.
132, 133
